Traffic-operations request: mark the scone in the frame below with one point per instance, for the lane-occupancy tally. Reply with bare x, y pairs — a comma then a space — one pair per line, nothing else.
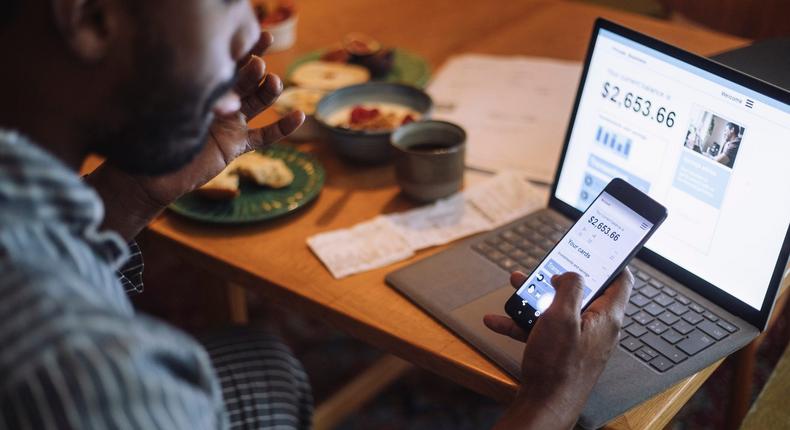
260, 169
223, 187
263, 170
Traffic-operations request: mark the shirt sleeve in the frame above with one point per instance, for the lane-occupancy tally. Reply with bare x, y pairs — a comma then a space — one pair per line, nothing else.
82, 366
131, 274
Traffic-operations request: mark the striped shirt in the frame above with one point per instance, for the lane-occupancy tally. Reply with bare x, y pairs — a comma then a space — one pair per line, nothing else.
73, 353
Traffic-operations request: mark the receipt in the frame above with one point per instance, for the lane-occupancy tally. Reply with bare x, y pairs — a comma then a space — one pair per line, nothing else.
387, 239
366, 246
440, 223
506, 197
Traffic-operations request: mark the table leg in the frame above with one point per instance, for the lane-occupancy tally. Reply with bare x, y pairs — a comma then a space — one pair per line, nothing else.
359, 391
237, 302
742, 384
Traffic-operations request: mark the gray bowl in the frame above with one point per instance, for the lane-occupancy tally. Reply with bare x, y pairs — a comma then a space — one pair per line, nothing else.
368, 146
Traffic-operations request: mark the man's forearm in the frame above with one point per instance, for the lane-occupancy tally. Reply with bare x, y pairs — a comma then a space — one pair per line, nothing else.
526, 417
533, 410
127, 207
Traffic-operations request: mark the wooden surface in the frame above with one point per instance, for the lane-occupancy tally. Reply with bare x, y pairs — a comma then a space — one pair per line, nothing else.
273, 259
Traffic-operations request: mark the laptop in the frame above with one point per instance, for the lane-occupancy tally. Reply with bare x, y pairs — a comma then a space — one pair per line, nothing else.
709, 143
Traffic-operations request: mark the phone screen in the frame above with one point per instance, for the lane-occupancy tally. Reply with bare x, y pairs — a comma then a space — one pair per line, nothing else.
595, 247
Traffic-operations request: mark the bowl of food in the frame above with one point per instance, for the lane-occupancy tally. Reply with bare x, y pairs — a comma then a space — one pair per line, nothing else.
360, 119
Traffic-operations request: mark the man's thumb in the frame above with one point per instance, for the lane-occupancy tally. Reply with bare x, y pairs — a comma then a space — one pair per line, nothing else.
570, 290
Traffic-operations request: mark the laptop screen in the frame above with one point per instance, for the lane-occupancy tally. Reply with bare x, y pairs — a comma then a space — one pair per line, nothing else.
715, 153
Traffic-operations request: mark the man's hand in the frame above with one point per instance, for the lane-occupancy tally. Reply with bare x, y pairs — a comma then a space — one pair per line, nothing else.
133, 201
565, 352
229, 136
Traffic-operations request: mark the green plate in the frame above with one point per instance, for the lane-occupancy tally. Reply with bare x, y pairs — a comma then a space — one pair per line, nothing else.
408, 68
259, 203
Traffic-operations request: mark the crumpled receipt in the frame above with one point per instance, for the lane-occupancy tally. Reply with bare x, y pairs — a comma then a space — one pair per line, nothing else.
439, 223
365, 246
387, 239
505, 198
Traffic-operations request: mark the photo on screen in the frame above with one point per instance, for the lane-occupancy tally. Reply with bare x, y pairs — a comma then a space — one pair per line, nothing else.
713, 136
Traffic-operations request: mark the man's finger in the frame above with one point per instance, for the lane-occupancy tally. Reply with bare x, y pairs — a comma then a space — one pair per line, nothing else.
263, 43
517, 279
504, 326
250, 77
615, 298
265, 136
262, 97
569, 292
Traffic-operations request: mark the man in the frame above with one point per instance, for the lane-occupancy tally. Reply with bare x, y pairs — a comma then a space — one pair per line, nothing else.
732, 141
163, 89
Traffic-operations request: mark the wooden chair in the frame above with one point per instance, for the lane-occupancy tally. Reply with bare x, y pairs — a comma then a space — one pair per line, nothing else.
745, 361
770, 409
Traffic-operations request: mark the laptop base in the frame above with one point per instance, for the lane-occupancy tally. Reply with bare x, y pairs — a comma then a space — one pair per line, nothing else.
459, 286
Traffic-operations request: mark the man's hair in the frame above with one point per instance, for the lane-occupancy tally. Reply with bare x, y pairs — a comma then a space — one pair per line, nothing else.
734, 128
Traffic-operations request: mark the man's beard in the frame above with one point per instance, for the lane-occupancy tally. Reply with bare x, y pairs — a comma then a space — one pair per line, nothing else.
166, 119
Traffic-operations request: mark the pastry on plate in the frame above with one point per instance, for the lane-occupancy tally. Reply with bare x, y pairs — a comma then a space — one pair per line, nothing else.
224, 186
255, 167
263, 170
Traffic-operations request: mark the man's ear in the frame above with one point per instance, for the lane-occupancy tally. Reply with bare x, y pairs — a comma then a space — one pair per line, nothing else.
88, 26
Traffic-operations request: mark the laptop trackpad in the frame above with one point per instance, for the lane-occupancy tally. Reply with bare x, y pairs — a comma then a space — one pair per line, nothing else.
467, 320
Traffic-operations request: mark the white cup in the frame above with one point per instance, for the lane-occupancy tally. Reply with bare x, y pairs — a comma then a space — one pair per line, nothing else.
284, 34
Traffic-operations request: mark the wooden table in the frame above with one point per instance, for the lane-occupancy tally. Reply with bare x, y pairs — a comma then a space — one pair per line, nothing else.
273, 259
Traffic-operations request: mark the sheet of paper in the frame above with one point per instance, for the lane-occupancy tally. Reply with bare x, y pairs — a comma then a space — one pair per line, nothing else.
506, 197
515, 109
366, 246
440, 223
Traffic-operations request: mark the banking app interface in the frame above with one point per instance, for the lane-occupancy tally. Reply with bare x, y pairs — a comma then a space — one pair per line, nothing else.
594, 247
711, 151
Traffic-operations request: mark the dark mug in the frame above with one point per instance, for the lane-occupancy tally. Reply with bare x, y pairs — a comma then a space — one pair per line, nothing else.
429, 159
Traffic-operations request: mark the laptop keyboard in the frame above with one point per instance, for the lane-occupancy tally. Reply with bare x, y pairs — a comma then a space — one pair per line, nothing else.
664, 328
523, 246
661, 327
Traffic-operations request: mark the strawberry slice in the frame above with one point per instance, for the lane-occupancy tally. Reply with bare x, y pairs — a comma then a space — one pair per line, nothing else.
361, 115
408, 119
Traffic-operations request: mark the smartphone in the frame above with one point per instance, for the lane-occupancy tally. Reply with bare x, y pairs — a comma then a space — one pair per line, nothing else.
598, 247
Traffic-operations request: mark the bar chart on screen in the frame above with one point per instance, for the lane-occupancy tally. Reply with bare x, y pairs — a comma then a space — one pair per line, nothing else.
615, 143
